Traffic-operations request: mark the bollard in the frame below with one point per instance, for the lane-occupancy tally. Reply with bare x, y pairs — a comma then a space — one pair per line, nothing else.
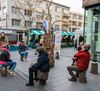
82, 77
94, 68
4, 72
57, 55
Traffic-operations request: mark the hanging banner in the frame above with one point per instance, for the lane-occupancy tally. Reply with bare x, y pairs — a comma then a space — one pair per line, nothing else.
46, 25
58, 38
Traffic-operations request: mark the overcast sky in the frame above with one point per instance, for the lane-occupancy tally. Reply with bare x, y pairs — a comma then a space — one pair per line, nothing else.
76, 5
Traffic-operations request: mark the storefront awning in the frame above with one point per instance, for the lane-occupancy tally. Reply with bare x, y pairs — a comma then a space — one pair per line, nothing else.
36, 32
71, 33
41, 32
67, 33
64, 33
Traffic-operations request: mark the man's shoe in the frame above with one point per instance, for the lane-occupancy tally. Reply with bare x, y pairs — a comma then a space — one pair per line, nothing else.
29, 84
72, 79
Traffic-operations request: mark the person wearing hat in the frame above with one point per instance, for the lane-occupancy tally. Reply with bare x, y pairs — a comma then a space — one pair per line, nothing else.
82, 62
42, 65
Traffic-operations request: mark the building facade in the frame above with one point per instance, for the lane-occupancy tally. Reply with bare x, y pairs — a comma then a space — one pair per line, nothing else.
10, 17
92, 25
76, 21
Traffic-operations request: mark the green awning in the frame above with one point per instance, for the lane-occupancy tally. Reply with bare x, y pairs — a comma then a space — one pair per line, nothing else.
64, 33
37, 32
71, 33
42, 32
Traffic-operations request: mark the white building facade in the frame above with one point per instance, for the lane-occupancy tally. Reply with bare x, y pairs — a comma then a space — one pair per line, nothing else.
10, 18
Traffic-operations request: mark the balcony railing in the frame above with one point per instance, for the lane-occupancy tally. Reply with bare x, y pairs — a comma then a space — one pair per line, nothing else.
65, 15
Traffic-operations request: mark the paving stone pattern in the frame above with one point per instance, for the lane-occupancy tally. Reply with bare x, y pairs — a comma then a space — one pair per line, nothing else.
58, 76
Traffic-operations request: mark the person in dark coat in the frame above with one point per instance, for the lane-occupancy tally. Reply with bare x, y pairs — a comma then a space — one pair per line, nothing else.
82, 59
42, 65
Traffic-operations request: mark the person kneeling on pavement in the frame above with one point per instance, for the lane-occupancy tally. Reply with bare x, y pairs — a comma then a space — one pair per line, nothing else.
23, 51
42, 65
82, 59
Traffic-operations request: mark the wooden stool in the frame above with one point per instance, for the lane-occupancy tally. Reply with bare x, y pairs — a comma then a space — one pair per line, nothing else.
4, 72
42, 82
94, 68
42, 76
82, 77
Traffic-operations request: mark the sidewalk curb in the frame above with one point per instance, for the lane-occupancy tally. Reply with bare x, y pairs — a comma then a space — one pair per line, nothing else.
23, 75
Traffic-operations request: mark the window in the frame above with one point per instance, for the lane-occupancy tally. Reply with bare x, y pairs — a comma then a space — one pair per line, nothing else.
28, 23
57, 27
64, 28
15, 10
47, 5
16, 22
12, 37
74, 23
4, 10
66, 11
57, 9
74, 16
80, 24
57, 17
80, 17
28, 12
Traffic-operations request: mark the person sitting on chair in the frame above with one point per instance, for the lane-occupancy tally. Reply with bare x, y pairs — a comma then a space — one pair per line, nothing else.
5, 57
42, 65
82, 62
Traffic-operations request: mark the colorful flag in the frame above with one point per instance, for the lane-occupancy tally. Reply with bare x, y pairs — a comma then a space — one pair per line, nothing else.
46, 25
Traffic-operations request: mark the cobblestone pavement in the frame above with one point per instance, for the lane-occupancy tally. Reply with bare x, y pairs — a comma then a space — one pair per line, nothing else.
16, 83
58, 75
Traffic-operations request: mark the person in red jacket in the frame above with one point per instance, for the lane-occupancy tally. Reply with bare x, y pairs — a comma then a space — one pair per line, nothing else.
82, 62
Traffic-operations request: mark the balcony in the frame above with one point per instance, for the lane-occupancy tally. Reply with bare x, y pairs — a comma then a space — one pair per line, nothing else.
65, 15
65, 23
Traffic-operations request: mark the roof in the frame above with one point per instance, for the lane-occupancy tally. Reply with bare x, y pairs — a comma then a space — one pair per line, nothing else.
58, 4
90, 3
